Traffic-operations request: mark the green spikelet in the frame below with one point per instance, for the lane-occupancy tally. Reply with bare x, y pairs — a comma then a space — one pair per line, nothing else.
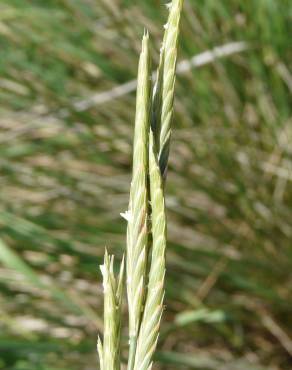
149, 330
109, 351
164, 88
137, 233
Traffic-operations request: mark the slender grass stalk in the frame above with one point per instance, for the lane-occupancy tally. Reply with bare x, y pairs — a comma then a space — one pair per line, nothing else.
137, 233
109, 351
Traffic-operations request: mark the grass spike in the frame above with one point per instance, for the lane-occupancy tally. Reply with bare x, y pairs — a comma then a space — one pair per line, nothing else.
150, 156
137, 232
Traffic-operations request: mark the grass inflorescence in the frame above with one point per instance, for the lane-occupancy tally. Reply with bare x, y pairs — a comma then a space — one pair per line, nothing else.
146, 233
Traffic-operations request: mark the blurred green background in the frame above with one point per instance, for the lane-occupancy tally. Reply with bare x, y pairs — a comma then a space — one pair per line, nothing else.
65, 164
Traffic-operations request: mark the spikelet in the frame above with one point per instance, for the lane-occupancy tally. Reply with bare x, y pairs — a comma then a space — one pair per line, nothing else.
149, 330
137, 232
109, 351
163, 97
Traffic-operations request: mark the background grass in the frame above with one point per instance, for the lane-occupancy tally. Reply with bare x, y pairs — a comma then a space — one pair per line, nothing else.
65, 176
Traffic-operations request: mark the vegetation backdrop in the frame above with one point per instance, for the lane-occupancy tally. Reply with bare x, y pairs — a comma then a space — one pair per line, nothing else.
65, 163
